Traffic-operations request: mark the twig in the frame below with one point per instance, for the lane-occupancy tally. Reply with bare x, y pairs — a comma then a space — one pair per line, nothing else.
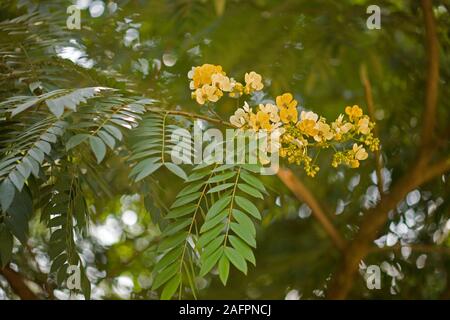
371, 108
303, 194
431, 95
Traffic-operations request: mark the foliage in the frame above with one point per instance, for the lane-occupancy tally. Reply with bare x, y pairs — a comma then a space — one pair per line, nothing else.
84, 139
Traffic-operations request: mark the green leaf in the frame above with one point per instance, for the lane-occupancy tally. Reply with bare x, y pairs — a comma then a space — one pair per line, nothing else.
17, 179
6, 245
186, 199
98, 147
224, 269
56, 107
172, 241
19, 213
176, 170
222, 177
236, 259
248, 206
212, 246
163, 276
44, 146
7, 192
243, 233
253, 181
242, 248
218, 206
114, 131
245, 221
208, 236
168, 258
76, 140
24, 106
58, 263
107, 139
221, 187
180, 211
190, 188
148, 170
210, 262
171, 287
37, 155
176, 226
211, 223
250, 190
85, 285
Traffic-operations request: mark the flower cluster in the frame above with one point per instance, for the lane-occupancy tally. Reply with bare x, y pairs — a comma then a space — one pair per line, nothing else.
209, 82
299, 133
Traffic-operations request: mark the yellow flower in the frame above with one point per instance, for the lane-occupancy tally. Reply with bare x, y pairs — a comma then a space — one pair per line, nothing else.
222, 82
207, 93
253, 82
359, 152
323, 132
340, 127
239, 118
238, 89
354, 163
288, 115
271, 110
307, 123
307, 127
286, 100
202, 75
260, 120
354, 112
363, 125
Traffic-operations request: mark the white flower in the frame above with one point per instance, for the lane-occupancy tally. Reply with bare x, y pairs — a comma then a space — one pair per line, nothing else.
239, 118
309, 115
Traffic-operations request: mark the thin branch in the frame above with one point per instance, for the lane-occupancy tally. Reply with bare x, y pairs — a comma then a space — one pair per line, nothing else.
431, 94
303, 194
371, 108
435, 170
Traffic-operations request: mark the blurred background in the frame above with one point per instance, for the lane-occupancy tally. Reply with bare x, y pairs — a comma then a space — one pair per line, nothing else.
314, 49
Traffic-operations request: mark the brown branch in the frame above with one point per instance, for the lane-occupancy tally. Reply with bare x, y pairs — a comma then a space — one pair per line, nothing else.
303, 194
376, 218
431, 94
371, 108
18, 285
434, 170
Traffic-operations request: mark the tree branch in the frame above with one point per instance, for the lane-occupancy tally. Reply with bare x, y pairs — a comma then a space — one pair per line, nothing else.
371, 108
431, 94
17, 283
303, 194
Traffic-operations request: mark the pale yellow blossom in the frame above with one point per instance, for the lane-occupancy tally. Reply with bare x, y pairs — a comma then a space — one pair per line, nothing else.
207, 93
253, 82
363, 125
